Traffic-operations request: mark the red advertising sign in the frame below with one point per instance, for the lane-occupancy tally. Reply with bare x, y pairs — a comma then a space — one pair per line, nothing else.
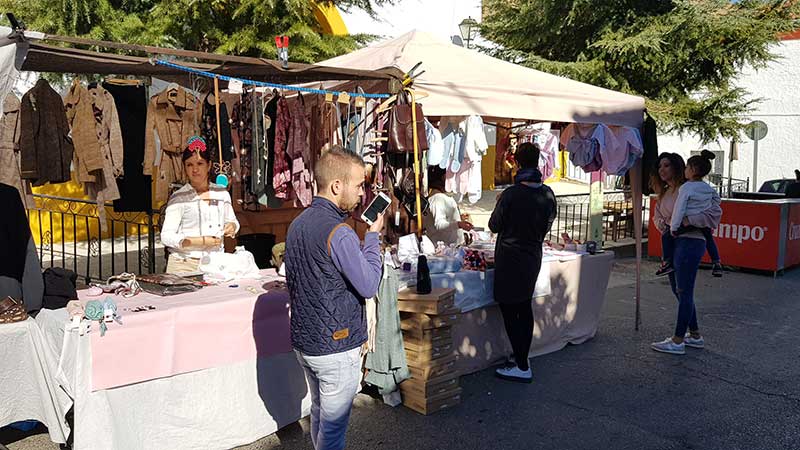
793, 236
749, 235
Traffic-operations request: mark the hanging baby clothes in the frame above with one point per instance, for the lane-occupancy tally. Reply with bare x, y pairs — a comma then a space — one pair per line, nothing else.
548, 143
9, 150
627, 150
45, 148
209, 129
172, 118
387, 365
453, 142
435, 144
464, 176
586, 144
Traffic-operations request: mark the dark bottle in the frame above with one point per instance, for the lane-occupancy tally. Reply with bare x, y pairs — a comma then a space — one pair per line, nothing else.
423, 276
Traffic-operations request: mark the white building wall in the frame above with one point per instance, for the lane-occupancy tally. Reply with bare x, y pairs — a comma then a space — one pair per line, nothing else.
779, 152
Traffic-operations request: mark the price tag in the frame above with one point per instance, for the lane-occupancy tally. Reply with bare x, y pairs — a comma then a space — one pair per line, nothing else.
235, 87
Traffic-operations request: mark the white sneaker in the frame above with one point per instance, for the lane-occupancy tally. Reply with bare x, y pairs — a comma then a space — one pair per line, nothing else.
514, 373
669, 346
689, 341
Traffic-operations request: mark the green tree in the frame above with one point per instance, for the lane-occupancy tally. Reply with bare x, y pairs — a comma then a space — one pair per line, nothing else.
681, 55
241, 27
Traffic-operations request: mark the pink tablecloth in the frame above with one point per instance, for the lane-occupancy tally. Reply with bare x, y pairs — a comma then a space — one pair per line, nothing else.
213, 327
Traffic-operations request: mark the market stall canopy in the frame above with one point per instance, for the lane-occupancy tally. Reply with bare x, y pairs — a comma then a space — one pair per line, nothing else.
460, 81
43, 57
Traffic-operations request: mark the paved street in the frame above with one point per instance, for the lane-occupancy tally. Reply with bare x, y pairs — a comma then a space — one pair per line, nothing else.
741, 392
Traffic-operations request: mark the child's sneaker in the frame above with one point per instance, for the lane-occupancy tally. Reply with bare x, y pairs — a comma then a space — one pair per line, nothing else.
716, 270
665, 269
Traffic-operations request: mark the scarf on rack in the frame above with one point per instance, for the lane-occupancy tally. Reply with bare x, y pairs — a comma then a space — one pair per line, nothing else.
531, 175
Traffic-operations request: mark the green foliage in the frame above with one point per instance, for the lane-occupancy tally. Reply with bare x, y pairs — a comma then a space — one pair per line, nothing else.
241, 27
681, 55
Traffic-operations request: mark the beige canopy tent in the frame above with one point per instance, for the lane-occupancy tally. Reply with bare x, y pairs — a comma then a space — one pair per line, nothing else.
461, 81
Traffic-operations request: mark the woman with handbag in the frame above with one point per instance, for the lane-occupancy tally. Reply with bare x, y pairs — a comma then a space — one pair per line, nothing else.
198, 215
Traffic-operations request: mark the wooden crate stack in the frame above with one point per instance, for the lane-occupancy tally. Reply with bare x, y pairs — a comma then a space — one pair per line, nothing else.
426, 321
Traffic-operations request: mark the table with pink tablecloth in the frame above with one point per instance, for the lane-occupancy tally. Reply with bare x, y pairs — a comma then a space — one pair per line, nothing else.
208, 369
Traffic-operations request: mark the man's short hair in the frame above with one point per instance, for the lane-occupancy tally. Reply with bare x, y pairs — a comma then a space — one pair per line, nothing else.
335, 164
527, 155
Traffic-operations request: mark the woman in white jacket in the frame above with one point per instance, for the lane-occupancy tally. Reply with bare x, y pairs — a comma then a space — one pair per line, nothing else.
443, 222
198, 215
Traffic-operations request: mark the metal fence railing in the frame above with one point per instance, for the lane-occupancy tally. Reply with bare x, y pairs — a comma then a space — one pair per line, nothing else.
573, 217
68, 234
726, 186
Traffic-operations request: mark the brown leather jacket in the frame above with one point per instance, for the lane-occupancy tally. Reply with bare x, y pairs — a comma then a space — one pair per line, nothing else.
44, 143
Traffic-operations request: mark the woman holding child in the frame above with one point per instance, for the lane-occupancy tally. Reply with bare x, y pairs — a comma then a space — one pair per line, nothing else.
686, 212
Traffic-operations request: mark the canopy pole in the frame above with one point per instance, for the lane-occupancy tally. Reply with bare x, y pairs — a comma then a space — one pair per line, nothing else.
417, 169
636, 190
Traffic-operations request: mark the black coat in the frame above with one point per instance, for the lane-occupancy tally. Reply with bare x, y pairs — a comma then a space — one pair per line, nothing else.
522, 218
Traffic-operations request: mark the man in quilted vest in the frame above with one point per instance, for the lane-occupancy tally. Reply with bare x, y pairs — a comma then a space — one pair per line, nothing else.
329, 274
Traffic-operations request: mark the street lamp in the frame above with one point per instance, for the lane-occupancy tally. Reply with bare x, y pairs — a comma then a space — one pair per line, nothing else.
469, 30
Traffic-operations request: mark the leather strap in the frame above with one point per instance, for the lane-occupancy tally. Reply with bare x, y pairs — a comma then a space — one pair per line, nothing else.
330, 236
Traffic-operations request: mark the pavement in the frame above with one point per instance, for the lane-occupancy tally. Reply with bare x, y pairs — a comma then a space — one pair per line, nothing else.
613, 392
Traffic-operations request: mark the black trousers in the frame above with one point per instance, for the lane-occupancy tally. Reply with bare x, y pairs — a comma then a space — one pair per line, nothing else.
518, 318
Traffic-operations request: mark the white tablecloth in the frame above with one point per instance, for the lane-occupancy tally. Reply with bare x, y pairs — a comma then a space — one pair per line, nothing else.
218, 408
474, 289
569, 315
27, 388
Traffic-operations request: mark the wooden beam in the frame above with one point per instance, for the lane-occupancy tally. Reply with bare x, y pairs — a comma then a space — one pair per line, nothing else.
156, 50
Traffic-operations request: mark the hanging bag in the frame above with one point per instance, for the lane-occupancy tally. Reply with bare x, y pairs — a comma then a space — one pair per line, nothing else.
401, 131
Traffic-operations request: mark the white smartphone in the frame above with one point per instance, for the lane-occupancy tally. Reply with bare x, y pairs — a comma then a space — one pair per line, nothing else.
376, 208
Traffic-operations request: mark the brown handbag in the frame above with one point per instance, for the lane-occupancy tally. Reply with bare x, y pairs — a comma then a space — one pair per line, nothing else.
12, 310
401, 130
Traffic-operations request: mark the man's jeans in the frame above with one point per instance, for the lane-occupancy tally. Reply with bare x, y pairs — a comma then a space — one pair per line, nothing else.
334, 381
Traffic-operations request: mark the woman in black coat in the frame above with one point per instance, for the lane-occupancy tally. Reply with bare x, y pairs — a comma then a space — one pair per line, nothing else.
522, 218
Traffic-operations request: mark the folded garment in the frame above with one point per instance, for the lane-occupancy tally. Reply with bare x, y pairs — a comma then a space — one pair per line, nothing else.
75, 308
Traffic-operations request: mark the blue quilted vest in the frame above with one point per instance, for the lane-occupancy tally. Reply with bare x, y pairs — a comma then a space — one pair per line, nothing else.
327, 315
